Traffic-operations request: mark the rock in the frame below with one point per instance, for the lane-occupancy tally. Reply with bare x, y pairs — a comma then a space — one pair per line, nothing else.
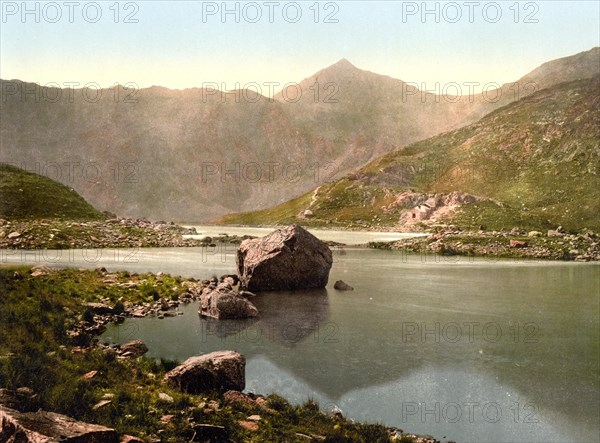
101, 404
100, 308
14, 234
48, 427
517, 244
89, 375
248, 425
341, 285
534, 234
224, 302
131, 439
136, 348
232, 279
288, 258
254, 417
165, 397
164, 304
552, 233
220, 371
239, 398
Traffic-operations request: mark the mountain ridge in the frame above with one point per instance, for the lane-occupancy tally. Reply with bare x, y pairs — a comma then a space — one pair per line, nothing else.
532, 163
166, 153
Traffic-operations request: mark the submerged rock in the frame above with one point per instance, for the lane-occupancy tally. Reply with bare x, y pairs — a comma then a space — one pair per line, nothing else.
217, 371
288, 258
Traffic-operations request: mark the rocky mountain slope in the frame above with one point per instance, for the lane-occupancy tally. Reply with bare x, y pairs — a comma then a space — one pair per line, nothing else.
198, 153
533, 164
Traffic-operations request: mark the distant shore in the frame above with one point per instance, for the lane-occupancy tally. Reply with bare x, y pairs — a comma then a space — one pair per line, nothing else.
141, 233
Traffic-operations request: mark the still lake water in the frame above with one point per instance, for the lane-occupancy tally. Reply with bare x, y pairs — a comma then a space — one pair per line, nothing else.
467, 349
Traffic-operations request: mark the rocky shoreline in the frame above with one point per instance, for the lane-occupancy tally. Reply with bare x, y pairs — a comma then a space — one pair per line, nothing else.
515, 244
111, 233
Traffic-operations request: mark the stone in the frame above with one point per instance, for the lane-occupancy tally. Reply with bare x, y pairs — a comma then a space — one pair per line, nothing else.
49, 427
89, 375
287, 259
341, 285
14, 234
165, 397
218, 371
223, 302
239, 398
534, 234
101, 404
135, 348
552, 233
131, 439
99, 308
517, 244
248, 425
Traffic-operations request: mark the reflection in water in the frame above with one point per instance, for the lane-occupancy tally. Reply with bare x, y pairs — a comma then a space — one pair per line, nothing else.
287, 318
290, 317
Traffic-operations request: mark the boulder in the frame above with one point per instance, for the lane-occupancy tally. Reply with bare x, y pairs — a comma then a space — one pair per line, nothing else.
49, 427
341, 285
288, 258
217, 371
135, 348
225, 302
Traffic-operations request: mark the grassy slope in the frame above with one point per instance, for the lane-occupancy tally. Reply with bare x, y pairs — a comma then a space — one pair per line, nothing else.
538, 158
25, 195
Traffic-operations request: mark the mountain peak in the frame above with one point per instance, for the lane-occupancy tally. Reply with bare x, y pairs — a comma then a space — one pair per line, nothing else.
344, 64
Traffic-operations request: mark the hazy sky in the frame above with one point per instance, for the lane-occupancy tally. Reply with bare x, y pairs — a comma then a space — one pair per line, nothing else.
185, 44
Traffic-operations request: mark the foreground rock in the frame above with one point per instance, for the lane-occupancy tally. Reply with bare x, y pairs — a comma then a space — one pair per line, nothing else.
49, 427
217, 371
134, 348
288, 258
225, 302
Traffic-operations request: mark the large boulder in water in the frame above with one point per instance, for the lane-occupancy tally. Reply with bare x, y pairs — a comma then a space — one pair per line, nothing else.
47, 427
218, 371
288, 258
225, 302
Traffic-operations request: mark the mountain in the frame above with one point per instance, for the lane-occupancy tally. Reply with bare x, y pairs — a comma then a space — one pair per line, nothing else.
26, 195
194, 154
534, 163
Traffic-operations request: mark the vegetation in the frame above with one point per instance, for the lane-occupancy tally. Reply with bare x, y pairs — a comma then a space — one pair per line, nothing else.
37, 351
25, 195
536, 161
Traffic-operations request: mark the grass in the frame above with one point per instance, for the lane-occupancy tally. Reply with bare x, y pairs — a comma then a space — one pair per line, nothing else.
25, 195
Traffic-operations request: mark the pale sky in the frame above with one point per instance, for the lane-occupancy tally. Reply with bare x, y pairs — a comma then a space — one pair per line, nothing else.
185, 44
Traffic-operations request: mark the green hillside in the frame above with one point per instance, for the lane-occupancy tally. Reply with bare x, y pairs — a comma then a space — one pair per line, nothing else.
25, 195
534, 164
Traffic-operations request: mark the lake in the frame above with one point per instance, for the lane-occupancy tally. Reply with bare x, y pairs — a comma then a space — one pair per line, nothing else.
346, 237
474, 350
